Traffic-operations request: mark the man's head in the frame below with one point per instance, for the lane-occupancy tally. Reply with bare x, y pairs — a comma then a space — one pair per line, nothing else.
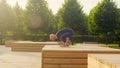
53, 37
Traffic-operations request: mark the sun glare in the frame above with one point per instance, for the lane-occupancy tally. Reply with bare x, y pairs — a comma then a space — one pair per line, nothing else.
21, 3
54, 5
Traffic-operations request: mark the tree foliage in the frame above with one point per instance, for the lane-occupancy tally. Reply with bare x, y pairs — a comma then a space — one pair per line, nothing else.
7, 19
71, 15
117, 30
103, 19
39, 17
37, 20
60, 22
20, 25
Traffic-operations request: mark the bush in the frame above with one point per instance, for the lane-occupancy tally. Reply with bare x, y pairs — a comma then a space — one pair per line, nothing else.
74, 39
84, 38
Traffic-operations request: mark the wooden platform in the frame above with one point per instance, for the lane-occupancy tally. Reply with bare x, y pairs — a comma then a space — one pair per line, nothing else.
9, 43
90, 42
30, 46
104, 61
71, 57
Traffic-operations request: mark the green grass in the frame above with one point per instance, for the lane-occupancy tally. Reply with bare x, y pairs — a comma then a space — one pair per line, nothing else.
113, 46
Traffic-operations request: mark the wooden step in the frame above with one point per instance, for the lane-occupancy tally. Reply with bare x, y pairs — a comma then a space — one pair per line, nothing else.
104, 61
71, 57
29, 45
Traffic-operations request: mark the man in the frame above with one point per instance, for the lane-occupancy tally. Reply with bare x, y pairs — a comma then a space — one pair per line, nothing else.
64, 35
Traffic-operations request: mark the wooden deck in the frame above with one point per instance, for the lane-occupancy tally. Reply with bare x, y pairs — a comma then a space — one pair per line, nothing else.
29, 46
104, 61
71, 57
9, 43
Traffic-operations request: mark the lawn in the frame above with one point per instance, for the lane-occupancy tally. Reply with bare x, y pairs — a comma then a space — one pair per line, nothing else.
113, 46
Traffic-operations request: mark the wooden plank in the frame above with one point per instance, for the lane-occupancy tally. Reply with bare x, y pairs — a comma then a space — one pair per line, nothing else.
38, 43
25, 45
92, 63
82, 49
104, 60
22, 45
63, 66
73, 55
90, 42
65, 54
89, 66
50, 66
9, 43
64, 61
73, 66
30, 46
27, 49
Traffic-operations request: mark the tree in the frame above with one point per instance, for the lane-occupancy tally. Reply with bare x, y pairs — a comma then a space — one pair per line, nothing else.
39, 17
20, 25
103, 19
71, 15
7, 19
117, 30
91, 21
59, 19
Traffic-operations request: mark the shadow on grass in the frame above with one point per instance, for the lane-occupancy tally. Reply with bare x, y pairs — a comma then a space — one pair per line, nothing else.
116, 46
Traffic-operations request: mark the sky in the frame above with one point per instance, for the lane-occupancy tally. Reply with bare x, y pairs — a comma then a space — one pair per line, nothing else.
54, 5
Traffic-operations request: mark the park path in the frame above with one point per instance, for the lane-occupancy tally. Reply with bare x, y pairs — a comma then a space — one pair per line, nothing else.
10, 59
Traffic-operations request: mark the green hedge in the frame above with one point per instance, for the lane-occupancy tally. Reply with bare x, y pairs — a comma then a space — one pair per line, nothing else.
75, 38
84, 38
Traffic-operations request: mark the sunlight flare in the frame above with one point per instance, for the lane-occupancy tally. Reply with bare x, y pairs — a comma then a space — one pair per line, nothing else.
21, 3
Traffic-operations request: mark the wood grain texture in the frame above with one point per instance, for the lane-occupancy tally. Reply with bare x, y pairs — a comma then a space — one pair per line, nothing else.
104, 60
30, 46
71, 57
63, 66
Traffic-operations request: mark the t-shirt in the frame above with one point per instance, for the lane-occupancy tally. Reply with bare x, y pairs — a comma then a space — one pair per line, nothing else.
62, 34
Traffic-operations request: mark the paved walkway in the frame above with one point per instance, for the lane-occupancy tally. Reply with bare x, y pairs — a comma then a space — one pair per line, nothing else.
9, 59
